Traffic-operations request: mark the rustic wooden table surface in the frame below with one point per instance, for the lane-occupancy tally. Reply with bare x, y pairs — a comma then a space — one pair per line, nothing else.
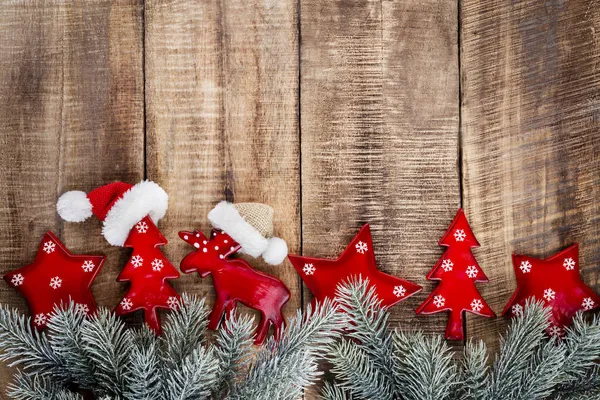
336, 113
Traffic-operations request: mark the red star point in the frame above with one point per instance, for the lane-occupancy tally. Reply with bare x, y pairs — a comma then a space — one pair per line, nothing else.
557, 282
56, 276
322, 276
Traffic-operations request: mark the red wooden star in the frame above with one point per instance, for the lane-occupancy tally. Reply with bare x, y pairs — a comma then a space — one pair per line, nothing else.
556, 281
56, 276
322, 276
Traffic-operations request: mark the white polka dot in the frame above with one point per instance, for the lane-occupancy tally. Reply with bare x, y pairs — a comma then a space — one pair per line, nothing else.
185, 237
205, 249
225, 241
204, 242
221, 256
216, 247
232, 248
197, 235
197, 245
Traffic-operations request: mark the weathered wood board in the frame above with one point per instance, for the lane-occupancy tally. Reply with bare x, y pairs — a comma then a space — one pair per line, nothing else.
222, 105
530, 138
71, 117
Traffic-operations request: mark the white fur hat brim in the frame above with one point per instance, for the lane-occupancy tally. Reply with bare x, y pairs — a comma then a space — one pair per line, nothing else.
144, 198
227, 218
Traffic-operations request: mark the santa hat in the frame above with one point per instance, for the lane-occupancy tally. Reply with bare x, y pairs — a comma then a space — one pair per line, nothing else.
251, 225
119, 205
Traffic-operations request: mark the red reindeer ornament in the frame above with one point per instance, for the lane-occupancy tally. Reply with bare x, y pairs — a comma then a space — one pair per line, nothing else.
247, 228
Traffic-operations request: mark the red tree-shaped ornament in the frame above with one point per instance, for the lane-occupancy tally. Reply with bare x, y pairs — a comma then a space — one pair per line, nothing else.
147, 270
457, 272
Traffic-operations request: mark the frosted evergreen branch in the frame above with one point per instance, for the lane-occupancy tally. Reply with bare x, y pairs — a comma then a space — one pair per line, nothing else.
357, 372
38, 387
367, 324
524, 335
425, 369
194, 378
108, 345
234, 344
283, 368
65, 339
474, 370
332, 391
145, 368
22, 345
184, 330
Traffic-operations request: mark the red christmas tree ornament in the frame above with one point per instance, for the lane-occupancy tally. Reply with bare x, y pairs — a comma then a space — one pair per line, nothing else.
56, 276
458, 271
129, 214
247, 228
322, 276
557, 282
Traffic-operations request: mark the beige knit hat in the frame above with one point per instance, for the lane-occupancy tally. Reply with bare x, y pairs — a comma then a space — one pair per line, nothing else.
251, 225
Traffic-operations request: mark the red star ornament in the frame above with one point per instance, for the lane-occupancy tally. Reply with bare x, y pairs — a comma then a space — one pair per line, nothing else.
322, 276
557, 282
56, 276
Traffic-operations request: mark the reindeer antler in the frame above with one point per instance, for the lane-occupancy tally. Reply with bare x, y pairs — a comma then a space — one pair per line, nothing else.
193, 238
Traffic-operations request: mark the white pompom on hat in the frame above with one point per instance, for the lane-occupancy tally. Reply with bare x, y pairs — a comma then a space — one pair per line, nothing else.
118, 205
251, 225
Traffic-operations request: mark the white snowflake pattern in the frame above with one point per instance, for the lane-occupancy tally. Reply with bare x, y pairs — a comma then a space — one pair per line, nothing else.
472, 271
49, 247
361, 247
309, 269
55, 282
17, 279
476, 305
40, 319
460, 235
555, 331
447, 265
88, 266
517, 310
172, 302
142, 227
569, 264
549, 294
157, 264
439, 301
399, 291
137, 261
525, 266
126, 304
82, 308
588, 303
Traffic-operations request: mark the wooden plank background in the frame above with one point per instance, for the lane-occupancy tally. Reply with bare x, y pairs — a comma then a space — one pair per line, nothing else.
336, 113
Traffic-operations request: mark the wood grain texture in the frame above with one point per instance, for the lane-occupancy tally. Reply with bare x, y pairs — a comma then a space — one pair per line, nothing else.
531, 141
71, 117
379, 131
221, 95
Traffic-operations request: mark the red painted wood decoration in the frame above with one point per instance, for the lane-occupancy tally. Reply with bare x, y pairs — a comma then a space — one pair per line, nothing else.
458, 271
147, 271
235, 281
557, 282
56, 276
322, 276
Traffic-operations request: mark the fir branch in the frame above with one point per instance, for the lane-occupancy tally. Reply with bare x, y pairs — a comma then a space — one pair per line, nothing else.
333, 391
368, 325
283, 368
38, 387
144, 370
194, 378
524, 335
65, 339
425, 370
184, 330
22, 345
357, 372
474, 371
107, 344
234, 341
